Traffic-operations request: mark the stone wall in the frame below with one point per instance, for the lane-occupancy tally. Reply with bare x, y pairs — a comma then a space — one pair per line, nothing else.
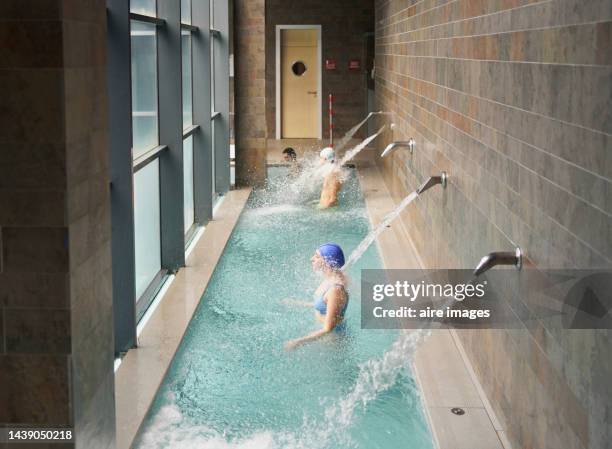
513, 99
250, 91
344, 24
56, 341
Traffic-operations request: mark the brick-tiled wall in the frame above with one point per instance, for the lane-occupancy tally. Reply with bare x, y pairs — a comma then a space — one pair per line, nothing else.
343, 27
513, 98
249, 91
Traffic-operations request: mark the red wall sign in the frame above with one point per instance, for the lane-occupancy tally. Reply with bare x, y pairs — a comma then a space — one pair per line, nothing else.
330, 64
354, 64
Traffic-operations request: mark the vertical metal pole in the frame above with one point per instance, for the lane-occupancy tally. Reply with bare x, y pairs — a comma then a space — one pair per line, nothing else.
331, 120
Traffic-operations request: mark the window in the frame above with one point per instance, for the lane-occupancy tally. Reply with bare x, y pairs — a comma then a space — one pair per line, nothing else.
145, 138
144, 87
186, 12
145, 7
187, 79
187, 82
147, 226
298, 68
165, 62
188, 188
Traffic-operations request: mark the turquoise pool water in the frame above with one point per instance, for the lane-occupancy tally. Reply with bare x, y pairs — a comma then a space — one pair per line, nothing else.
231, 384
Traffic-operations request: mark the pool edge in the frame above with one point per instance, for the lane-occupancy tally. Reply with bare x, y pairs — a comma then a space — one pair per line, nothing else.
444, 376
160, 339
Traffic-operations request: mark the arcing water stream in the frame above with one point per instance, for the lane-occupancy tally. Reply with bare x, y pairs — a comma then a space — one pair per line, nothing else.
349, 135
374, 233
355, 151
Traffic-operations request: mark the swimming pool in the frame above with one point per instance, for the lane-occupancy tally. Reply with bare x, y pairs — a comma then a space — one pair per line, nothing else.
231, 384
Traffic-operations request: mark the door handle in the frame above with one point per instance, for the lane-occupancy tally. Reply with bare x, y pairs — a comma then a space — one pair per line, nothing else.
312, 92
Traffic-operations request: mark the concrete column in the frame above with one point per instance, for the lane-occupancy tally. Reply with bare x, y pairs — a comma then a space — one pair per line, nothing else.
250, 91
56, 333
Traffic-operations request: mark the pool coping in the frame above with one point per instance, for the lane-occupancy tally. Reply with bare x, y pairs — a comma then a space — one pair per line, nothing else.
443, 373
142, 370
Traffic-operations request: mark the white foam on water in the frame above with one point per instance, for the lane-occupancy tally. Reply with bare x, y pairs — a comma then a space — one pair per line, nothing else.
171, 430
273, 210
307, 183
375, 376
295, 189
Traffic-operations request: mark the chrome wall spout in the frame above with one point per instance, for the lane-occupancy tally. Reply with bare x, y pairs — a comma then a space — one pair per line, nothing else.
434, 180
410, 144
499, 258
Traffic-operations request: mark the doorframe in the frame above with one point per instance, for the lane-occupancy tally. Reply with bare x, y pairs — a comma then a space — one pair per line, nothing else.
278, 73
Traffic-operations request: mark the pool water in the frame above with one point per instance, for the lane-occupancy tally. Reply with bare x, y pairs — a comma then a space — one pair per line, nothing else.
232, 385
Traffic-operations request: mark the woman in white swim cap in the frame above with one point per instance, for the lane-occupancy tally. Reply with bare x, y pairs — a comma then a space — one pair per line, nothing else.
327, 154
331, 183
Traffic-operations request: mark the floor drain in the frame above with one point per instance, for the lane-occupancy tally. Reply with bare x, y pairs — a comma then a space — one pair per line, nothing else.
457, 411
388, 226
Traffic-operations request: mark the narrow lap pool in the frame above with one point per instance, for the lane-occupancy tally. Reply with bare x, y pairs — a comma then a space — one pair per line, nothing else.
231, 384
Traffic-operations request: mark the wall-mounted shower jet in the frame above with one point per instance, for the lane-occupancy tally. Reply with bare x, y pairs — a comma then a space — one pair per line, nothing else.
499, 258
410, 144
434, 180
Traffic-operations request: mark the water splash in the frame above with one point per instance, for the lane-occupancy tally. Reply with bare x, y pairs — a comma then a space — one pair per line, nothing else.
307, 183
375, 376
374, 233
171, 429
355, 151
351, 132
349, 135
295, 189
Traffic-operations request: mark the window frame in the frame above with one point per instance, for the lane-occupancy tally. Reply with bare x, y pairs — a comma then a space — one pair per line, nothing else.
127, 309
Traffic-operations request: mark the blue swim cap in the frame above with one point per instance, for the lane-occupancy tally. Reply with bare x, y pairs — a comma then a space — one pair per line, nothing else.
332, 254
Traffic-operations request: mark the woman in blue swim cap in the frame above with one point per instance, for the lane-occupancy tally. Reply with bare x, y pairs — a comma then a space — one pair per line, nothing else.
331, 297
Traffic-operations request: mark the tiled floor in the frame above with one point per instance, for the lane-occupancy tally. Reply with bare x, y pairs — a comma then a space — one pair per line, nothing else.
441, 367
143, 368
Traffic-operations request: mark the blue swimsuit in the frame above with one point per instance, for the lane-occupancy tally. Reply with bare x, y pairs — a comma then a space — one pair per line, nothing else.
321, 306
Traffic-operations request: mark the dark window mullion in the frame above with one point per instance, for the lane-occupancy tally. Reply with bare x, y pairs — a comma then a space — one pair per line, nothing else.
145, 159
147, 19
188, 27
189, 131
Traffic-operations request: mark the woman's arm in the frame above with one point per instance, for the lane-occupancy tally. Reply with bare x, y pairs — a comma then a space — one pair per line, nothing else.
333, 297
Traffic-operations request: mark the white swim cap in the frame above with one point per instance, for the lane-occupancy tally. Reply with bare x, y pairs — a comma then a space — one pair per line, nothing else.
328, 153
